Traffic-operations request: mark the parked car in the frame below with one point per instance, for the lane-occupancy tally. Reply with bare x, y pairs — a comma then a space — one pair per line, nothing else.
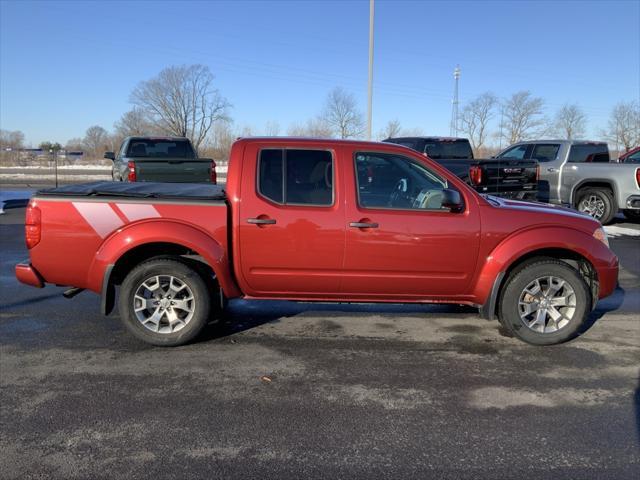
318, 220
579, 174
510, 178
632, 156
160, 159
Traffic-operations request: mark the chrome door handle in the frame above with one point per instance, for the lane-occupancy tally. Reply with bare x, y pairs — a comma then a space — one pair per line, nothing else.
552, 170
261, 221
363, 225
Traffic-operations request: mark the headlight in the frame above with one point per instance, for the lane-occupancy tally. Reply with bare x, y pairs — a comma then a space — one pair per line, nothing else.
601, 235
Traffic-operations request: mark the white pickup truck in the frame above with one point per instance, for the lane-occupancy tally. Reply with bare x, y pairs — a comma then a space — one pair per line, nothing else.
578, 173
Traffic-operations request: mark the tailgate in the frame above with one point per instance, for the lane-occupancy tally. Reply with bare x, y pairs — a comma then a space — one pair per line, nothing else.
508, 176
177, 171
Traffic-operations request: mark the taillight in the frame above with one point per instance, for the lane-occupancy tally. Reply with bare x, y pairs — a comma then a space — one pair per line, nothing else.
131, 176
638, 177
32, 226
475, 174
214, 175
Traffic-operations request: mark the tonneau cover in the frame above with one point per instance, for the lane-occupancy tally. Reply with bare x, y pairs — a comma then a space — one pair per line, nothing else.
194, 191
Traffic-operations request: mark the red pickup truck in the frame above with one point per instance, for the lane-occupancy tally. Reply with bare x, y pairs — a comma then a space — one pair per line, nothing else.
318, 220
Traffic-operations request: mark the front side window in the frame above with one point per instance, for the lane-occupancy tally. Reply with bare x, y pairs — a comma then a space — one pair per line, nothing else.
518, 152
393, 181
298, 177
545, 152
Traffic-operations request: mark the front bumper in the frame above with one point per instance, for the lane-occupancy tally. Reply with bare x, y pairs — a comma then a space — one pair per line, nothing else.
28, 275
608, 280
633, 202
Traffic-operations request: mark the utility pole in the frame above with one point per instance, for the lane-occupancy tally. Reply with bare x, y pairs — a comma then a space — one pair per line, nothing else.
370, 87
454, 104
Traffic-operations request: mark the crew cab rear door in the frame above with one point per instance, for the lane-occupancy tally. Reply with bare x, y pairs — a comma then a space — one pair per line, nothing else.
400, 242
292, 222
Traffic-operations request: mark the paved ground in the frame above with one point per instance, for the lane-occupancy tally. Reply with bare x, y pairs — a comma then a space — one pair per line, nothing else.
354, 391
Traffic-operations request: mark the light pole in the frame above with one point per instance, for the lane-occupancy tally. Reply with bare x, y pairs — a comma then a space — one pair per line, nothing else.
54, 156
370, 87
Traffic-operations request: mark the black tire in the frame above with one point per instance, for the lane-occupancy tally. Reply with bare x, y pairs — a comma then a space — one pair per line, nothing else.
509, 309
196, 294
597, 196
632, 215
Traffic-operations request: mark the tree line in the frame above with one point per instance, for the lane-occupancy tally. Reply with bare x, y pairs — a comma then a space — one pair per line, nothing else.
183, 101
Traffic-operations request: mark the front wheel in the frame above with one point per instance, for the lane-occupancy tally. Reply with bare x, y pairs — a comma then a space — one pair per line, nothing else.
164, 302
545, 302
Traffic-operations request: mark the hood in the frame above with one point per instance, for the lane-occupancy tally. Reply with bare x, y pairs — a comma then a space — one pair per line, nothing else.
550, 214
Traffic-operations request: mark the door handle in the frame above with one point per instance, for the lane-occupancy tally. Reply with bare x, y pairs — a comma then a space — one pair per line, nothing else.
552, 170
363, 225
261, 221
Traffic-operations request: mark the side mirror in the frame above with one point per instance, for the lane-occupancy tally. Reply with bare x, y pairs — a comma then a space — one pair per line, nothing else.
109, 155
452, 200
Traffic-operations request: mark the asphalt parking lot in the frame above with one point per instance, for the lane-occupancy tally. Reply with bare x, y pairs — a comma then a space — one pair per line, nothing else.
283, 390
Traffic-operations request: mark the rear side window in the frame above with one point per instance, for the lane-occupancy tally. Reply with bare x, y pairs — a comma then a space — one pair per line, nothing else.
458, 149
298, 177
634, 158
589, 153
545, 152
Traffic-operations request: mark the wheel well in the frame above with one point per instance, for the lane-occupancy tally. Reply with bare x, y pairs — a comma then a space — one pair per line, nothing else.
144, 252
577, 261
591, 184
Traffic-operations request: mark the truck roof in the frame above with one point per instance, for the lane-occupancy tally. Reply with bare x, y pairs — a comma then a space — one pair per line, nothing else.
563, 141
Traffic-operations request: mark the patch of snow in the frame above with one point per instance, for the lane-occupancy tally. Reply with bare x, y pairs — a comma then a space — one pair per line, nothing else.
615, 231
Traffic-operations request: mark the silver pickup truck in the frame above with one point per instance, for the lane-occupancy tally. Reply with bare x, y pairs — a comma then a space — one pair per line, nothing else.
579, 174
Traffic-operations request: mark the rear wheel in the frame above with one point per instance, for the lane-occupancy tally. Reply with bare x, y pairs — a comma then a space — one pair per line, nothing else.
164, 302
544, 303
598, 203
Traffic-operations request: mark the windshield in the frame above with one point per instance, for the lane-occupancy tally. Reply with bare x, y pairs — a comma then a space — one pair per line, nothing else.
459, 149
159, 148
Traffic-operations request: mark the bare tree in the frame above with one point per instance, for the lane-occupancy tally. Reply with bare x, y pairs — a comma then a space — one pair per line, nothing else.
272, 128
315, 127
133, 123
521, 117
182, 101
570, 122
11, 139
391, 129
342, 115
96, 141
624, 125
221, 139
475, 119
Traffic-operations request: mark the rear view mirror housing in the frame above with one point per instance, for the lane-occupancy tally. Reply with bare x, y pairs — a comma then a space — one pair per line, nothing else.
109, 155
452, 200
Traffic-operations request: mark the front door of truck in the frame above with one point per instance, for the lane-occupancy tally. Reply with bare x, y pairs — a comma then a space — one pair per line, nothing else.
400, 242
291, 225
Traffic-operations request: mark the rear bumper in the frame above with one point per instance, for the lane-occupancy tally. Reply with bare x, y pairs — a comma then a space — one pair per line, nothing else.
633, 201
28, 275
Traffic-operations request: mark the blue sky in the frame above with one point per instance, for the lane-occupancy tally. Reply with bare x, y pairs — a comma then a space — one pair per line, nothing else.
65, 66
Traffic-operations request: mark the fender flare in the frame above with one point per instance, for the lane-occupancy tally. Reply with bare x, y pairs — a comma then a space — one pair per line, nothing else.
526, 242
582, 183
158, 231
